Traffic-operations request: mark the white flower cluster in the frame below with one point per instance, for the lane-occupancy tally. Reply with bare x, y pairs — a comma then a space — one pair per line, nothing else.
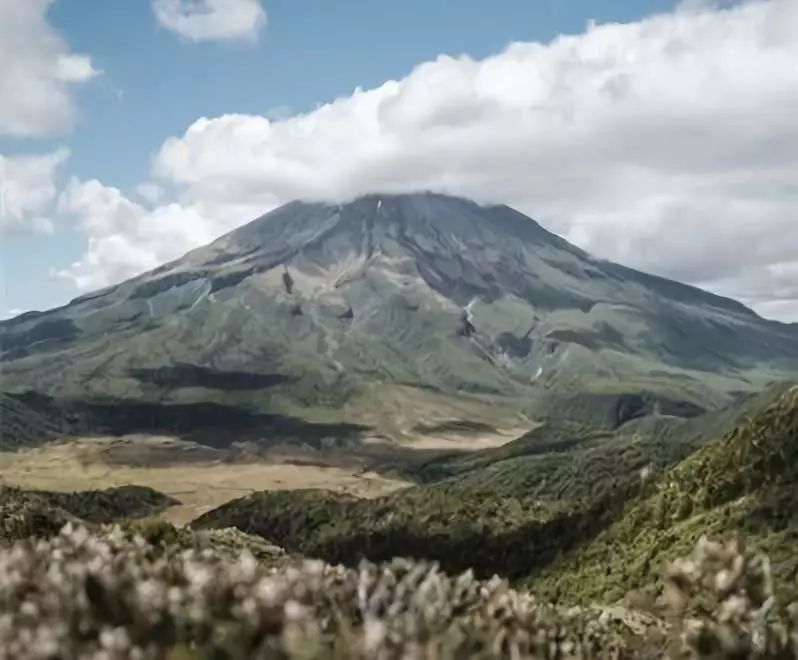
111, 595
725, 596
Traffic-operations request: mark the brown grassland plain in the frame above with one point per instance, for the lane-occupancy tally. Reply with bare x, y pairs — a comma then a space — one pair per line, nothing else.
200, 478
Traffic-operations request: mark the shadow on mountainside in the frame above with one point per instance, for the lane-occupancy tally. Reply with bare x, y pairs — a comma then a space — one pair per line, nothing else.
191, 375
211, 424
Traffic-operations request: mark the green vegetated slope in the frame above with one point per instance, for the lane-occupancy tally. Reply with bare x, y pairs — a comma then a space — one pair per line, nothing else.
235, 596
24, 515
111, 504
462, 530
32, 515
746, 482
41, 513
571, 462
581, 548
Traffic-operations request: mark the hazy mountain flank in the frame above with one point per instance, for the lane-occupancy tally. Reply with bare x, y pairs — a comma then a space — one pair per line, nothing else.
381, 317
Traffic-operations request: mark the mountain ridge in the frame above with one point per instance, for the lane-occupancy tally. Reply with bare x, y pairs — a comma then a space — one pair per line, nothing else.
340, 308
378, 198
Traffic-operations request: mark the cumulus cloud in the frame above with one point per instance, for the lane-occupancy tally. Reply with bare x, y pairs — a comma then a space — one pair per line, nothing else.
124, 238
206, 20
150, 192
28, 190
669, 144
37, 71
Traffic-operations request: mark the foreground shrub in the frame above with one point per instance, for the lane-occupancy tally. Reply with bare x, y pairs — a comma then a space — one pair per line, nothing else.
24, 514
84, 595
722, 603
114, 595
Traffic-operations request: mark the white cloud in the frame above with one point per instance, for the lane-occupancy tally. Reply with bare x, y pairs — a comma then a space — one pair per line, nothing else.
669, 144
150, 192
28, 190
37, 71
204, 20
124, 238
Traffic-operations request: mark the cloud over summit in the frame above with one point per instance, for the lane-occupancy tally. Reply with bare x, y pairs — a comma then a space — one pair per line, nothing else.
669, 144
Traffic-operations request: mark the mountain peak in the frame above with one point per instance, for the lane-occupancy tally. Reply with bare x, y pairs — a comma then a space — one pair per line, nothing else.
377, 216
331, 305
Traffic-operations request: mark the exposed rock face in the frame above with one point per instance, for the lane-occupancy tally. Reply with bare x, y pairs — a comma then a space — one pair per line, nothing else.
288, 282
321, 304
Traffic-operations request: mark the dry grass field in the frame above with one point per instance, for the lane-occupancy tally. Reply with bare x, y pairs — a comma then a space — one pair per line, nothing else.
201, 478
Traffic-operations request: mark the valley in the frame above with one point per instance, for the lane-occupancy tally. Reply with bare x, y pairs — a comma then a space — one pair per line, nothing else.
630, 564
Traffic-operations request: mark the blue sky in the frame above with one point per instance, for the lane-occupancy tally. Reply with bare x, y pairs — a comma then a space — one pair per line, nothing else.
150, 83
311, 52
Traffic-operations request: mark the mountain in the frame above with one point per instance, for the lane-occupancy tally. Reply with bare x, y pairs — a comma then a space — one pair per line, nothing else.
384, 317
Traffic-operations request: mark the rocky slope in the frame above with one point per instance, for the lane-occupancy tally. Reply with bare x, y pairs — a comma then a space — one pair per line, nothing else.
329, 322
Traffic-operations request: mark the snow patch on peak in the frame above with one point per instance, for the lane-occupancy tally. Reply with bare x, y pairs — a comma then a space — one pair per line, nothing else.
469, 310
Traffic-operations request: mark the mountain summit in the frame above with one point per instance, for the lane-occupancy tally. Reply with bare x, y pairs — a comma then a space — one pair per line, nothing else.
390, 312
